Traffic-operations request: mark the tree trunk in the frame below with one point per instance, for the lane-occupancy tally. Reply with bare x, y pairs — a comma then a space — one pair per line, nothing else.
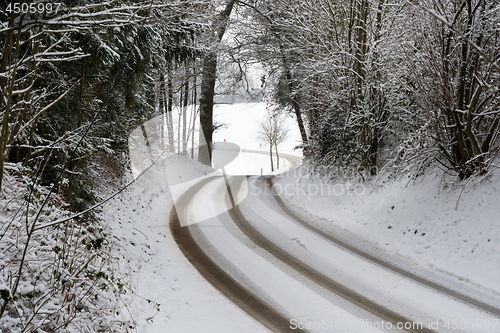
184, 113
161, 109
277, 157
207, 108
271, 156
208, 87
300, 122
7, 87
295, 103
170, 105
179, 124
195, 97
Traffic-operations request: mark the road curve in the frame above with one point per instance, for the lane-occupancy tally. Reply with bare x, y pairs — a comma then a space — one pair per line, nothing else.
221, 280
263, 223
294, 160
245, 298
387, 265
318, 277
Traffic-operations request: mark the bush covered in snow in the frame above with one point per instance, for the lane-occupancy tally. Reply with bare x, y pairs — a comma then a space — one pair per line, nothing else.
59, 278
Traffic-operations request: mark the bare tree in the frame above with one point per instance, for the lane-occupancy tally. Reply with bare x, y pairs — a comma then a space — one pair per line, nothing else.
455, 79
274, 131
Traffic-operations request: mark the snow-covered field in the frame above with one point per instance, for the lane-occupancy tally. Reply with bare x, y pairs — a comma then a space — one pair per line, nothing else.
241, 127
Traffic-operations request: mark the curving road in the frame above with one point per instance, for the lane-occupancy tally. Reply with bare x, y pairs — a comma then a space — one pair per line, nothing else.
290, 275
295, 161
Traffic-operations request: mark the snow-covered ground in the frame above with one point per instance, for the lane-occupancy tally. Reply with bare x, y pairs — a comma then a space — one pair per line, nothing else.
417, 225
447, 230
161, 276
300, 299
163, 279
240, 249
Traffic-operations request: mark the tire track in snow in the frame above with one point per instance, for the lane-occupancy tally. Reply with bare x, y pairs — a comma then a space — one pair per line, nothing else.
221, 280
400, 271
319, 278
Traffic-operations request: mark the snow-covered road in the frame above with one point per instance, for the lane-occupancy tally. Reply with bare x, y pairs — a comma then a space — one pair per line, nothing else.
291, 276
